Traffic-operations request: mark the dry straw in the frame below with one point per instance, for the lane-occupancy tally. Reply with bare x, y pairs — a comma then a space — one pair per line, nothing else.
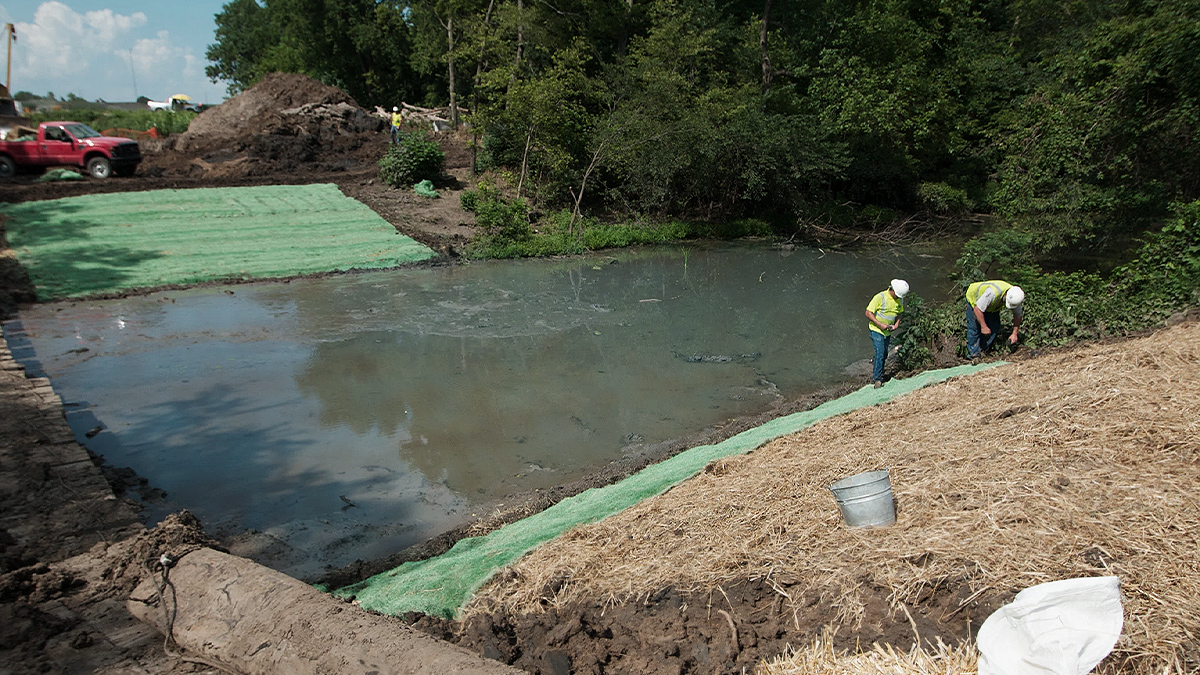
820, 658
1078, 463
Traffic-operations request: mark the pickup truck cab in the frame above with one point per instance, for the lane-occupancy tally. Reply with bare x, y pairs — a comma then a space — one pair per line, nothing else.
69, 144
174, 104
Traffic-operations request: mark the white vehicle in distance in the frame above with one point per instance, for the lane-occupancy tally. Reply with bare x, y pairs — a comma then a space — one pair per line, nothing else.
175, 103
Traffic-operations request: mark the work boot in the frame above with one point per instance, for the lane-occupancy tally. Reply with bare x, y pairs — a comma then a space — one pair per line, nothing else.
878, 383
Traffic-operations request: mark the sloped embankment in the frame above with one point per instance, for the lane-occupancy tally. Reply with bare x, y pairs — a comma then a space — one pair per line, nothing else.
1082, 462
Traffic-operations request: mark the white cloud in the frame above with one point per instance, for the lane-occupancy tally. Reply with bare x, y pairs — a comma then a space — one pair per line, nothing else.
106, 25
104, 54
153, 55
61, 41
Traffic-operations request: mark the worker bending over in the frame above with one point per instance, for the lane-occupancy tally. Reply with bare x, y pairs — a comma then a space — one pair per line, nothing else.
984, 300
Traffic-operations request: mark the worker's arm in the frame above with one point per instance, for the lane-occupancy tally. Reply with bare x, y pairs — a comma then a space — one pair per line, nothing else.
983, 327
877, 322
1012, 339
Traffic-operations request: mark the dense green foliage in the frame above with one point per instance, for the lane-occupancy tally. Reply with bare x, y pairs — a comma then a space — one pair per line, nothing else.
1163, 277
505, 230
167, 122
361, 46
1076, 122
414, 158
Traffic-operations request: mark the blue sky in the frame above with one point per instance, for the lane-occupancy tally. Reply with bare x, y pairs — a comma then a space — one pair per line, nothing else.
114, 50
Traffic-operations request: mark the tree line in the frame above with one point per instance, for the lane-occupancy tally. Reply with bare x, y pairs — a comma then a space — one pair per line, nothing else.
1074, 121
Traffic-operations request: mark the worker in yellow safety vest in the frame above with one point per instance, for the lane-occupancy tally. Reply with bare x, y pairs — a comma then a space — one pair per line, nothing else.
397, 120
883, 313
984, 300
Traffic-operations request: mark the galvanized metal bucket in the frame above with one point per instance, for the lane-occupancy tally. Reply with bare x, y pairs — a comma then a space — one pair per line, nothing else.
865, 499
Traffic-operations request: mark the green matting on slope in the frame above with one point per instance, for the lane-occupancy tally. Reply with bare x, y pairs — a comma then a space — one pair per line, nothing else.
106, 243
440, 586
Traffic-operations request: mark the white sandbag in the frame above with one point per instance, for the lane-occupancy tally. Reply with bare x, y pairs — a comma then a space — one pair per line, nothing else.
1059, 628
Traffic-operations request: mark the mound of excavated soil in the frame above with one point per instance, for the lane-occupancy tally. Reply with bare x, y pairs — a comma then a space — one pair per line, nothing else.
244, 117
286, 123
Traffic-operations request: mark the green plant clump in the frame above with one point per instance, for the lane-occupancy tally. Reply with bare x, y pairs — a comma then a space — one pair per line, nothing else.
1162, 279
413, 159
507, 233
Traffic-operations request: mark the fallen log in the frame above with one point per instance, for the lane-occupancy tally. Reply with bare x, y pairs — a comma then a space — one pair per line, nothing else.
238, 615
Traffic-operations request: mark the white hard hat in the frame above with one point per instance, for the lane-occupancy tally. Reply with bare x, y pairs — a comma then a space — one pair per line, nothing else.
395, 109
1014, 297
900, 287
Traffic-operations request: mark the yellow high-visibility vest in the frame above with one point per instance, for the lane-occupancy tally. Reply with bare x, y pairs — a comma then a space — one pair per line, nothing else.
976, 289
886, 309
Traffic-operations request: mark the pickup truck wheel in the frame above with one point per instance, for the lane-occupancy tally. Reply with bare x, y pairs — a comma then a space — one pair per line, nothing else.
8, 168
98, 167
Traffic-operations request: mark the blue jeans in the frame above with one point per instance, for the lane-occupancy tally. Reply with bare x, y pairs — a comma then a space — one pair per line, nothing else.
395, 134
974, 334
881, 348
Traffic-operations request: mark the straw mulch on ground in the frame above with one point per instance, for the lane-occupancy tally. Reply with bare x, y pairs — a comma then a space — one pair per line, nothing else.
1076, 463
820, 658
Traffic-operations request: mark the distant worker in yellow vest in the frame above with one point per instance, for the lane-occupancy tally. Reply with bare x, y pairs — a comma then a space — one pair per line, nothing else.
984, 300
883, 313
397, 120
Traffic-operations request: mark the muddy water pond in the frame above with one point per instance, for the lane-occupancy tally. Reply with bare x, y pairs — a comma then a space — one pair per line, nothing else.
348, 417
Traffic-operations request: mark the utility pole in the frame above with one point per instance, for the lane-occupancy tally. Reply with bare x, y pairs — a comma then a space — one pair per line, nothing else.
10, 36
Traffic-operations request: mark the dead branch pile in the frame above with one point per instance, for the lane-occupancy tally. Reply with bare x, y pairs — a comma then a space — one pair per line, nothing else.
435, 119
332, 117
1078, 463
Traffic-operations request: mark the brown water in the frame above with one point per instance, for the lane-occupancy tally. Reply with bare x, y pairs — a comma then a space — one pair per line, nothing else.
352, 416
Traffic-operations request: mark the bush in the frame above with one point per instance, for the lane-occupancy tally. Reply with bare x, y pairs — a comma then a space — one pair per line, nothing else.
928, 330
1061, 308
996, 255
556, 237
413, 159
1165, 276
941, 198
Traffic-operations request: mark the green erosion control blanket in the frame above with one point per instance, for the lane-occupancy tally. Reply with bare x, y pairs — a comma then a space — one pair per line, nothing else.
79, 246
59, 174
440, 586
425, 189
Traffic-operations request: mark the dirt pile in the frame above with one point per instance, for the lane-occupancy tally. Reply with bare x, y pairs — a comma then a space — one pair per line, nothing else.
245, 116
285, 123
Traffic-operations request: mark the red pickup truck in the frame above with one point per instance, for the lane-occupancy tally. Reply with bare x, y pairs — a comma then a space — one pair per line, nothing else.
69, 144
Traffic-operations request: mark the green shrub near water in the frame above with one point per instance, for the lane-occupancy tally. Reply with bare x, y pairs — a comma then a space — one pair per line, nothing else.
166, 121
413, 159
507, 233
1162, 279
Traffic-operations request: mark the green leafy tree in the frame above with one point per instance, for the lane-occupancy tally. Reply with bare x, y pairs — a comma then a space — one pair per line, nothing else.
1107, 138
247, 46
361, 46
